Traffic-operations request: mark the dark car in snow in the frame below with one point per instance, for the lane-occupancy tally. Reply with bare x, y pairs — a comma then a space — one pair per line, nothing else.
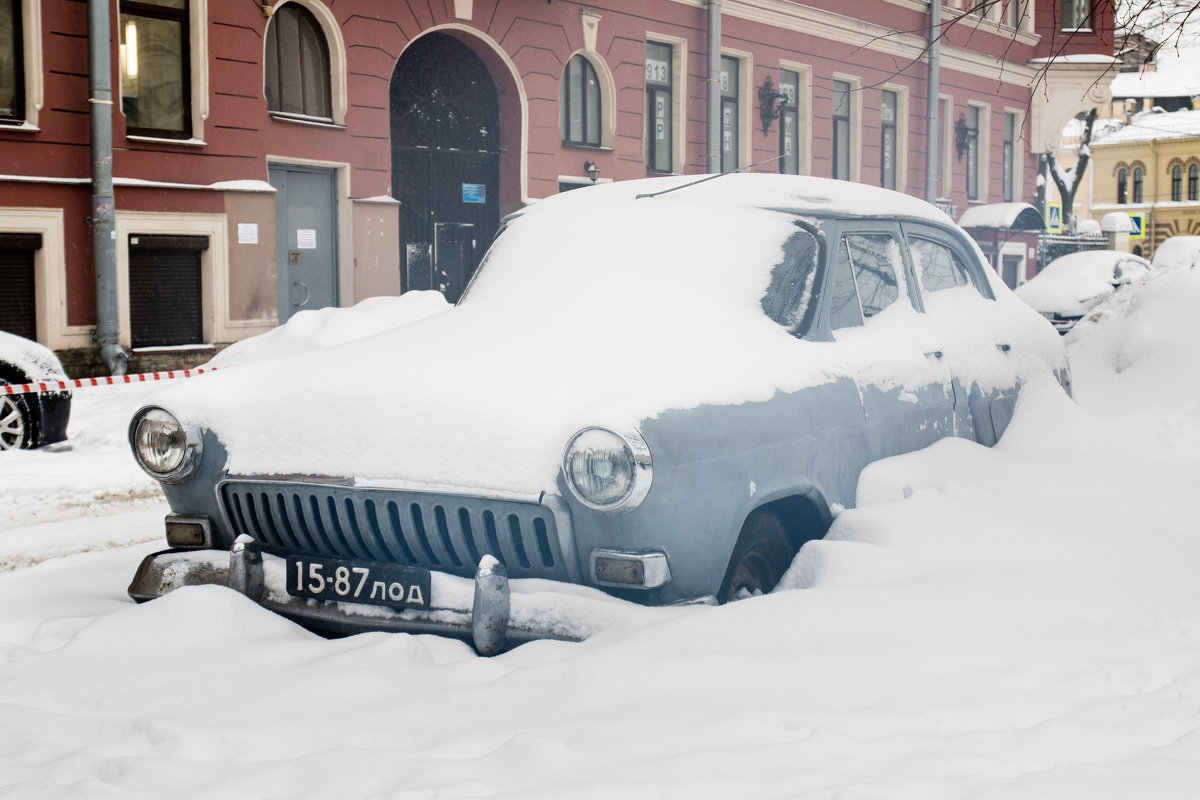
657, 389
34, 418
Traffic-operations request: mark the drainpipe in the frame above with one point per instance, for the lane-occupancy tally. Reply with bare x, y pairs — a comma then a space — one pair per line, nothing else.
933, 103
713, 157
104, 245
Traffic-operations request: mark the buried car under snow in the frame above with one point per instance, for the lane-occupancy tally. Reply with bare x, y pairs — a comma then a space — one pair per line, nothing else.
660, 389
1074, 284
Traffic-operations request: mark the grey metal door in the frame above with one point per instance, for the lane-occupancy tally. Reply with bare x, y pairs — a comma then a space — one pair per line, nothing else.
305, 237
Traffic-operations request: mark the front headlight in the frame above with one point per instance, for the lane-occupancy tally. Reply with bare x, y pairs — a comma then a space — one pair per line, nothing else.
166, 449
608, 470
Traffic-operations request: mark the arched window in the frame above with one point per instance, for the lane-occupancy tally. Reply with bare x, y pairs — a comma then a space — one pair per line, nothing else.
579, 103
297, 74
1123, 186
1177, 183
1194, 182
1138, 182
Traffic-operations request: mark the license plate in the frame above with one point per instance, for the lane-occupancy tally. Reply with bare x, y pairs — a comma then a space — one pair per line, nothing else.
392, 585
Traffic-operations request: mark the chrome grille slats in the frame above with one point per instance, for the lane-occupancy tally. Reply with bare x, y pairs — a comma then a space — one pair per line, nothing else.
444, 532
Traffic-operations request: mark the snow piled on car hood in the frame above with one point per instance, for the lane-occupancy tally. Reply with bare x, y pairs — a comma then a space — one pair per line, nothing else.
586, 312
1072, 284
37, 362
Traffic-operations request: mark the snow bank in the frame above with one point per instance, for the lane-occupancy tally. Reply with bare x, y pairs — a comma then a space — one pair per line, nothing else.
1141, 349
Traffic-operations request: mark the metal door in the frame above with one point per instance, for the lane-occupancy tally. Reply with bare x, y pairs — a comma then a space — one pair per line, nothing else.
305, 238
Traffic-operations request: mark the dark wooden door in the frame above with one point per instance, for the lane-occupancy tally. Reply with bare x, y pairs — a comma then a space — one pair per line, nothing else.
445, 162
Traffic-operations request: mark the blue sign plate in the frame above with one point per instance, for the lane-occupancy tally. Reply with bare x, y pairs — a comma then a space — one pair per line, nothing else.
474, 193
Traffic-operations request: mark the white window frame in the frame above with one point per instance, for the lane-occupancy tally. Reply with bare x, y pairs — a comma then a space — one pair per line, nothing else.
197, 74
679, 49
31, 66
804, 115
946, 176
745, 88
338, 97
49, 275
214, 265
1018, 159
856, 123
901, 133
983, 145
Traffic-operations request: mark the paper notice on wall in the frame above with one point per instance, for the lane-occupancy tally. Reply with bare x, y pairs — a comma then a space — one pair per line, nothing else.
306, 239
247, 233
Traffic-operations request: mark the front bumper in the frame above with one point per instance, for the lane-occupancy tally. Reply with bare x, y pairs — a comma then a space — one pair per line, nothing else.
490, 612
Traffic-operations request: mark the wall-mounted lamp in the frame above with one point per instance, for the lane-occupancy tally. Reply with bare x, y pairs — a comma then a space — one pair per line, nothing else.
592, 170
770, 103
268, 10
963, 134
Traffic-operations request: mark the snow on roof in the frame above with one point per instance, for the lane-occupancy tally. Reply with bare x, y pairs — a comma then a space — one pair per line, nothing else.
1149, 125
1020, 216
1173, 83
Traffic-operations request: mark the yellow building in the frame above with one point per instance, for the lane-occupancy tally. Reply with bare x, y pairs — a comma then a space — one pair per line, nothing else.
1151, 168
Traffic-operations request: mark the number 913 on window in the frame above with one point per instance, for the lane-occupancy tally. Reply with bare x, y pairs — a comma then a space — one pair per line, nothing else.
392, 585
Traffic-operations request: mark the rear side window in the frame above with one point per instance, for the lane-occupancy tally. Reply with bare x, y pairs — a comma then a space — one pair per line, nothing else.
866, 278
789, 295
938, 267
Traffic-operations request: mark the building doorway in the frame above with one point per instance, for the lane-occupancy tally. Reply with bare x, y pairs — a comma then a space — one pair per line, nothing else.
445, 162
306, 246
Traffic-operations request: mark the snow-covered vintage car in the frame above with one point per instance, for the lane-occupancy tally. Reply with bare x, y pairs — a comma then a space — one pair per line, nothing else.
37, 418
660, 389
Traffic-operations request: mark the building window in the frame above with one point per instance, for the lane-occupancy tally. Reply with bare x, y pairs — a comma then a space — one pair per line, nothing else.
1177, 183
1138, 181
1123, 186
946, 144
12, 62
729, 114
1076, 14
659, 107
579, 103
1194, 182
1015, 12
841, 130
972, 152
887, 139
789, 122
297, 73
1010, 135
155, 76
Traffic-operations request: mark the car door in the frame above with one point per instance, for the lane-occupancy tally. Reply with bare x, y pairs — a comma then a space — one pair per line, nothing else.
943, 263
906, 390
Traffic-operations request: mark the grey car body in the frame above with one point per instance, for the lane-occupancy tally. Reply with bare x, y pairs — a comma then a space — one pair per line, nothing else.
721, 486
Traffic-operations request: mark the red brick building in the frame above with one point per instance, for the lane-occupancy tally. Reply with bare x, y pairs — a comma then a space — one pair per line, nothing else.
269, 158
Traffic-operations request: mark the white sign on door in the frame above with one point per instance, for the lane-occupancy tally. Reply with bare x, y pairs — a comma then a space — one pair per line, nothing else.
306, 239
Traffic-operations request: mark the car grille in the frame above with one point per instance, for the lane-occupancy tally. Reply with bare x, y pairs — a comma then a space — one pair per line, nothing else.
445, 532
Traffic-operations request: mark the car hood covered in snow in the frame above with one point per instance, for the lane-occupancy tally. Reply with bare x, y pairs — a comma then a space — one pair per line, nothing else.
37, 362
1075, 283
589, 310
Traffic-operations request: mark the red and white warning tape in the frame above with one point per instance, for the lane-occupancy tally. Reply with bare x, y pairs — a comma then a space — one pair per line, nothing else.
87, 383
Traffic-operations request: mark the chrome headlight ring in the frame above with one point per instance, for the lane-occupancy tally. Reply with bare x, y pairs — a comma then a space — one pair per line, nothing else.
165, 448
608, 469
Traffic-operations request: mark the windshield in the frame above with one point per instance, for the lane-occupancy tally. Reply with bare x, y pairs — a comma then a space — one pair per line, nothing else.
691, 262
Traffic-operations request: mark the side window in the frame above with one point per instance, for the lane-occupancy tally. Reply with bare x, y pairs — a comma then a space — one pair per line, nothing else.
788, 297
937, 266
844, 309
872, 256
579, 103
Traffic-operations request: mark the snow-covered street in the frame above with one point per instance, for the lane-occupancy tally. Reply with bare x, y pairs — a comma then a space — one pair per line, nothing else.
1015, 622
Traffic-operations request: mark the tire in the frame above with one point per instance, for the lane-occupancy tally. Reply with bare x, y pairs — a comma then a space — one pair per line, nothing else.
760, 557
16, 421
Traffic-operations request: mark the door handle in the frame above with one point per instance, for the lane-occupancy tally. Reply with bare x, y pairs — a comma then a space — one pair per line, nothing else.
303, 287
934, 354
1004, 348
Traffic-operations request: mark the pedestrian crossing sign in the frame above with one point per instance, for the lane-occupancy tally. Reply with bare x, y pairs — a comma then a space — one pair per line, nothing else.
1054, 217
1138, 231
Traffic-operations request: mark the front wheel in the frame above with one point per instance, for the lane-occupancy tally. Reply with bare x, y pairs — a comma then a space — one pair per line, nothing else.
760, 557
16, 423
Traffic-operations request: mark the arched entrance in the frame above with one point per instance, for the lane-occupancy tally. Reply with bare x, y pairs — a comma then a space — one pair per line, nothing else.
445, 162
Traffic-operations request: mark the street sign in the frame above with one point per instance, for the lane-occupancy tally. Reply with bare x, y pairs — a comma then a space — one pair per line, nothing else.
1054, 217
1138, 231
